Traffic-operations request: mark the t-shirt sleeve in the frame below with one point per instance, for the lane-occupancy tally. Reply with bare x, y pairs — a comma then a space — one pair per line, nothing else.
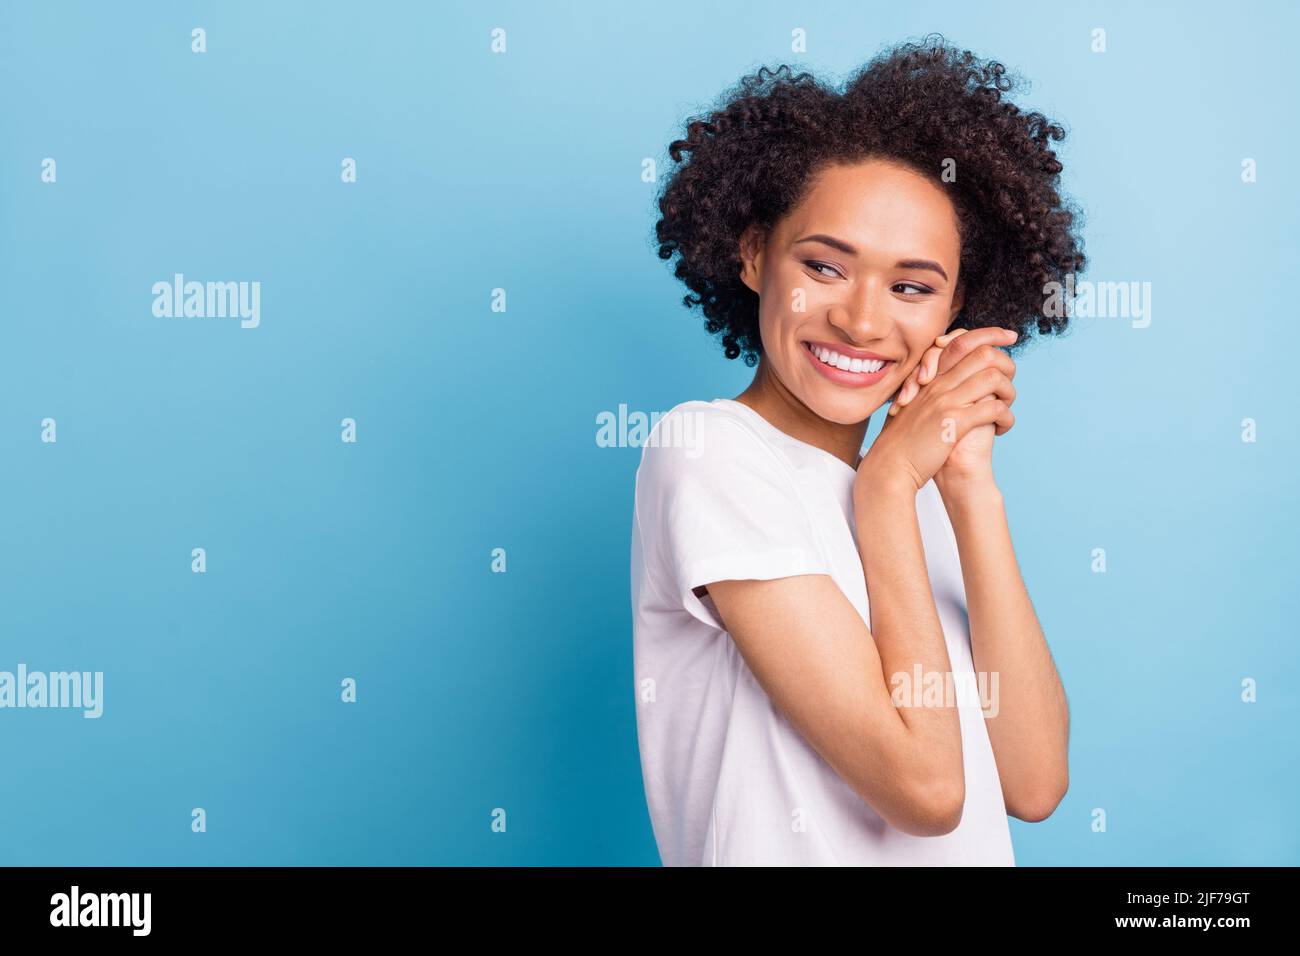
719, 504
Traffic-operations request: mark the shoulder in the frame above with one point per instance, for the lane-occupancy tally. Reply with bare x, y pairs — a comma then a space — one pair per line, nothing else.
707, 464
700, 437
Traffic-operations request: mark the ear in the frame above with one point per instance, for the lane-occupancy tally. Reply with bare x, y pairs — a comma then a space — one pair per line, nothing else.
958, 301
752, 242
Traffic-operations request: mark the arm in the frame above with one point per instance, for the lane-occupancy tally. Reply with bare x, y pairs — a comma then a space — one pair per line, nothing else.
827, 672
1030, 732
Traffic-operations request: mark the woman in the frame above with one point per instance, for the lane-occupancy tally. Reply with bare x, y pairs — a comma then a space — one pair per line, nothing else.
889, 241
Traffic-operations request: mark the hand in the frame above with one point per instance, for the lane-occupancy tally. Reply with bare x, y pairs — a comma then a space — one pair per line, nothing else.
972, 456
969, 388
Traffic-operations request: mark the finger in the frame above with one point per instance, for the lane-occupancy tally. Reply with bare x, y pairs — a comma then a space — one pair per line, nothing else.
959, 347
984, 357
988, 381
993, 412
930, 360
893, 404
898, 401
1002, 428
929, 363
907, 391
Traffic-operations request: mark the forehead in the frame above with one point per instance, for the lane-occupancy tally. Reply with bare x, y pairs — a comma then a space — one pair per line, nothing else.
879, 207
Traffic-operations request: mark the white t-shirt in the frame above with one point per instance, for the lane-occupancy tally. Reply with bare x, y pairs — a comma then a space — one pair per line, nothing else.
722, 494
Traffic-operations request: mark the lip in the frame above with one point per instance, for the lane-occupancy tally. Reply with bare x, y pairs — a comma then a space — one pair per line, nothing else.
843, 377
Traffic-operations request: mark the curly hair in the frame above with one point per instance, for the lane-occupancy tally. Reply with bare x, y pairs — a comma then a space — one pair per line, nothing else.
924, 105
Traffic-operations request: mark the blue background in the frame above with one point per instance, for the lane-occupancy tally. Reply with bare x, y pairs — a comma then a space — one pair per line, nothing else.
476, 429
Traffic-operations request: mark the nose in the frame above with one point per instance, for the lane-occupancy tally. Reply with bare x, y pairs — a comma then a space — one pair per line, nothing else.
863, 314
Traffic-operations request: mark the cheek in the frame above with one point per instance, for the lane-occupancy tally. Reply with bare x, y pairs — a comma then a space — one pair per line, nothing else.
782, 298
783, 309
919, 336
920, 332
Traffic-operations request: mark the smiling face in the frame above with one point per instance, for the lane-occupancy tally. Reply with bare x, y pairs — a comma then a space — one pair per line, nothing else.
854, 284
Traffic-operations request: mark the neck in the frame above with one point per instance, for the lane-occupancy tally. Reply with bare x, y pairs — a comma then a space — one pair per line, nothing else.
768, 396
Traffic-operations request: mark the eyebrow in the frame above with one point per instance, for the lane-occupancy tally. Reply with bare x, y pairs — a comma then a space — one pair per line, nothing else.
847, 249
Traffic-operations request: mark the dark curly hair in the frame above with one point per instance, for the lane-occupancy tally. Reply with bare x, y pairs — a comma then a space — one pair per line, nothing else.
918, 104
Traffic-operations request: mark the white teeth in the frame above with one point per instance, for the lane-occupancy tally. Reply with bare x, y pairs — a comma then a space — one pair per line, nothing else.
862, 366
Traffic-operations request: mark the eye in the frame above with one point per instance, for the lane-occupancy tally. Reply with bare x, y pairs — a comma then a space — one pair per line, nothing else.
814, 264
921, 290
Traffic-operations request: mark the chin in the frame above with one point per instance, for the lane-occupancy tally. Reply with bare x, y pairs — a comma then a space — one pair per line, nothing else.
846, 411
